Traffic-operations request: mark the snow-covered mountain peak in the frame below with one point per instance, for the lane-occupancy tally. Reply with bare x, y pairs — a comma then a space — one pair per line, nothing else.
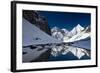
54, 29
76, 34
77, 29
59, 33
79, 26
65, 30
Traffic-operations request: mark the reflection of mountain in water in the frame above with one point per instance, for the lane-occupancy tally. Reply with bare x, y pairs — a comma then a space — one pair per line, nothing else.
75, 52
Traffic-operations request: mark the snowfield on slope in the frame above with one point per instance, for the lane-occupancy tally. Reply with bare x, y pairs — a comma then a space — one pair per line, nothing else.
34, 35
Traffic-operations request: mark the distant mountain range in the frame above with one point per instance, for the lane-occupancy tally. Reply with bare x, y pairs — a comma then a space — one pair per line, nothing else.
76, 34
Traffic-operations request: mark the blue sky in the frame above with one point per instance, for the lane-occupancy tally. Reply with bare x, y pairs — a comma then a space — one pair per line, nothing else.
66, 20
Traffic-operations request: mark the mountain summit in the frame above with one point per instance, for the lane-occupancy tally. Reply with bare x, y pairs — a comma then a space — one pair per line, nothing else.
76, 34
77, 29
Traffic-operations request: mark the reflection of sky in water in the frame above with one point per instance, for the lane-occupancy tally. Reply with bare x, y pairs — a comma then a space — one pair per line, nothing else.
83, 44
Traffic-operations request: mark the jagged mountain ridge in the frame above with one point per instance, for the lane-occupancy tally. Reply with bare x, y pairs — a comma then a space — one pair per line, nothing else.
77, 29
76, 34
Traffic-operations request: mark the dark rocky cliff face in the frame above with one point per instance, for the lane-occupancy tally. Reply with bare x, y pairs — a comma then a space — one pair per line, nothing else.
35, 18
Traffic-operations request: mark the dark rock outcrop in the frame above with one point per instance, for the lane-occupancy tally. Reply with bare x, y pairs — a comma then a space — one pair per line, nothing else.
35, 18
